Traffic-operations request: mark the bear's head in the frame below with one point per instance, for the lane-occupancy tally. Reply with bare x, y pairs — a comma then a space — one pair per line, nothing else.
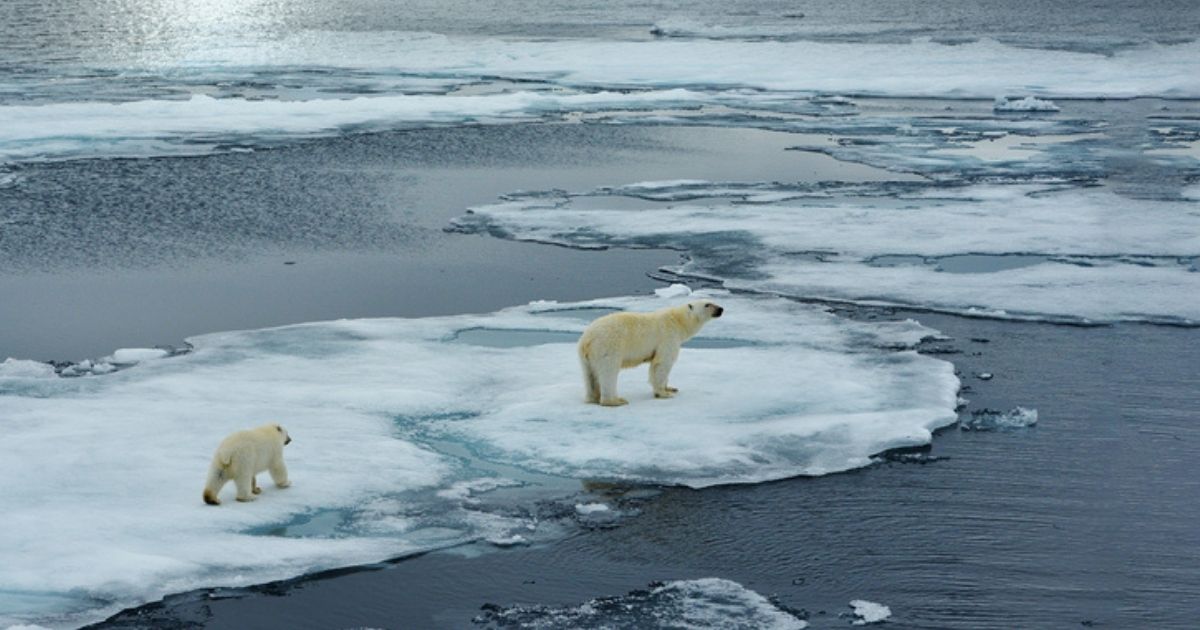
704, 310
287, 439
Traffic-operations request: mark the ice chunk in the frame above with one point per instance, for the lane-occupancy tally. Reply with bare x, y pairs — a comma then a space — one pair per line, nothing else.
590, 508
1027, 104
23, 368
673, 291
135, 355
401, 437
702, 603
869, 612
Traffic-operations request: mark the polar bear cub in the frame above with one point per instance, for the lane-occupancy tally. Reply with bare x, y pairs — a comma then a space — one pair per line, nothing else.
625, 340
243, 455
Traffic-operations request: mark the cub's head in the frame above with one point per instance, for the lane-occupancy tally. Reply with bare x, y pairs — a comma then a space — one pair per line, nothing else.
704, 310
287, 439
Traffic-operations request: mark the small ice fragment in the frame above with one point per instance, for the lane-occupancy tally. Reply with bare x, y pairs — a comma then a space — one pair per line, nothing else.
992, 420
137, 355
1027, 104
983, 376
869, 612
589, 508
511, 541
103, 368
673, 291
24, 368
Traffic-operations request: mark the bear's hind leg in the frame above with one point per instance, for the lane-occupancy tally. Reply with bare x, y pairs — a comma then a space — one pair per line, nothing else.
254, 486
590, 383
606, 372
245, 484
279, 474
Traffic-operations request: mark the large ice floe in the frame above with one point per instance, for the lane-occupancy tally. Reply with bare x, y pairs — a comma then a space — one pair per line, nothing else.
1057, 253
413, 434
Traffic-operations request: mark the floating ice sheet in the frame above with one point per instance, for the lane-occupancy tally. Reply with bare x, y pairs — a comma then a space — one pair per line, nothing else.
1086, 254
405, 439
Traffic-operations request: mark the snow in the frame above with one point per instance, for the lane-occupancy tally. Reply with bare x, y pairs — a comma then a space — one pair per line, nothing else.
869, 612
1027, 104
398, 431
1089, 254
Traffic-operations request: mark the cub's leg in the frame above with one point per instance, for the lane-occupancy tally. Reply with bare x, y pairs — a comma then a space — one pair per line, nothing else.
279, 473
245, 484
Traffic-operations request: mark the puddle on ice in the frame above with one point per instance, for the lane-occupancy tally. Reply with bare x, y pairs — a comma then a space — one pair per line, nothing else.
406, 440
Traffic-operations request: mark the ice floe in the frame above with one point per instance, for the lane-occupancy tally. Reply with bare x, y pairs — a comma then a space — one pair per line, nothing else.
866, 612
1037, 252
1027, 104
406, 438
701, 603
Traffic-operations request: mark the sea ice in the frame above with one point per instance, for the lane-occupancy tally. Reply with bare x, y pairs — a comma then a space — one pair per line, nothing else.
702, 603
405, 440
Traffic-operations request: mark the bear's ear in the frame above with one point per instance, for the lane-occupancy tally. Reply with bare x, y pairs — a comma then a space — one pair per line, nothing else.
279, 428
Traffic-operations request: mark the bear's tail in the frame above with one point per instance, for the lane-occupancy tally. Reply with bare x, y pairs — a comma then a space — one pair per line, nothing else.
216, 479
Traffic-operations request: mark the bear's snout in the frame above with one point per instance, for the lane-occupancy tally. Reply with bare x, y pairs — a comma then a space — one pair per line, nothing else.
287, 441
717, 310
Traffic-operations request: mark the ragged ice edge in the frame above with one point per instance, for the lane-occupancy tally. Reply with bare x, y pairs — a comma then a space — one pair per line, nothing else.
781, 389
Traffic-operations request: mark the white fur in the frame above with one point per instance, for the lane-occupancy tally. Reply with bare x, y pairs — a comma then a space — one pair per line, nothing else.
243, 455
625, 340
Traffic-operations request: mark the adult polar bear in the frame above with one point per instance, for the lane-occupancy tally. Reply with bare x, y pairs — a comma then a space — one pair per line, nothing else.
625, 340
243, 455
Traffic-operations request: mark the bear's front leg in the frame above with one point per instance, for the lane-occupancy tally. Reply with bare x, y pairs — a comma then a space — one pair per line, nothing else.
660, 369
279, 474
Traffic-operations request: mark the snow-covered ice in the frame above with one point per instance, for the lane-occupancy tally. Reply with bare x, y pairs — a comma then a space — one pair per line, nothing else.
401, 435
